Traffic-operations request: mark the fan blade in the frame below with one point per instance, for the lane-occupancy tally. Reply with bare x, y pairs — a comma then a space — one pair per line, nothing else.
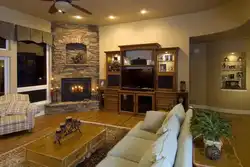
53, 9
81, 9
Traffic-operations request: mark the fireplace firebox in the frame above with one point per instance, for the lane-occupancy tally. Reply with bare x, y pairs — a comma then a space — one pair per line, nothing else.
76, 89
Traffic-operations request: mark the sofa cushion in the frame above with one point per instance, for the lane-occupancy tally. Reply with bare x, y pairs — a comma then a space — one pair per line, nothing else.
131, 148
153, 121
147, 160
162, 163
17, 108
137, 132
185, 143
179, 111
12, 119
172, 124
111, 161
165, 147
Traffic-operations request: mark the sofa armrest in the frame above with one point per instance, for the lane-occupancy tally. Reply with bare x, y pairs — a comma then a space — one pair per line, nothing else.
31, 111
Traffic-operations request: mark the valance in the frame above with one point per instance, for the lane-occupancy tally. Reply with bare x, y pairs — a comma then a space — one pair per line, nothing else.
47, 38
7, 30
22, 33
28, 34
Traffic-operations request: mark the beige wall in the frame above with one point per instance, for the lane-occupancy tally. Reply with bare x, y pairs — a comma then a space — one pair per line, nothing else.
16, 17
173, 31
216, 51
198, 74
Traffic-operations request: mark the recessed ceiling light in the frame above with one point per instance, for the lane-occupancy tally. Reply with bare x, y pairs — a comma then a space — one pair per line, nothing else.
60, 11
77, 17
112, 17
143, 11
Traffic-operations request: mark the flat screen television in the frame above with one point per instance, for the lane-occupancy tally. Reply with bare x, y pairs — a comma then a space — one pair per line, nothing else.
138, 78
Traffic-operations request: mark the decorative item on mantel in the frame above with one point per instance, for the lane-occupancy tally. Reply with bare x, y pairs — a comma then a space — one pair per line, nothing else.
209, 126
95, 93
71, 125
54, 93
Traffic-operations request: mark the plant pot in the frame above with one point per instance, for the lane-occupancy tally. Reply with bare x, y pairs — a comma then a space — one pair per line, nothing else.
212, 149
218, 144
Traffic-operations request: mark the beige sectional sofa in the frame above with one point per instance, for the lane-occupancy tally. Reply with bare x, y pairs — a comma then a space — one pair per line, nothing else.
131, 149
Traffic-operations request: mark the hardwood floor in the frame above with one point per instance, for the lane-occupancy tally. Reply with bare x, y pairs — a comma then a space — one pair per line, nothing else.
48, 123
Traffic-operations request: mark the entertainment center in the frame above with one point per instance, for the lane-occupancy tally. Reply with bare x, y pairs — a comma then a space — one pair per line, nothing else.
142, 77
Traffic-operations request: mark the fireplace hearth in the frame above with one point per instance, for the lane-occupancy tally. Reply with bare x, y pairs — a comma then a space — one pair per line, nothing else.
75, 89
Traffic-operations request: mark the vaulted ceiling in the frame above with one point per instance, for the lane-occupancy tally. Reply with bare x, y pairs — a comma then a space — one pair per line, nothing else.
124, 10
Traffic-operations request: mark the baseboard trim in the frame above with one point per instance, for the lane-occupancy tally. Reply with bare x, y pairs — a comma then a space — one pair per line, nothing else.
223, 110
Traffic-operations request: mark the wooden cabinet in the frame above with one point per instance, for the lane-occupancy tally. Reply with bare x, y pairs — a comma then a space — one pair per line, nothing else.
161, 65
111, 100
135, 102
166, 100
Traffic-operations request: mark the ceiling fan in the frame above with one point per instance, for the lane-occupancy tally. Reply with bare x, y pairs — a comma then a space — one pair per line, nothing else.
64, 5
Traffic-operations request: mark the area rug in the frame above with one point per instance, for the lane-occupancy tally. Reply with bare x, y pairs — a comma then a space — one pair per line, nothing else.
96, 157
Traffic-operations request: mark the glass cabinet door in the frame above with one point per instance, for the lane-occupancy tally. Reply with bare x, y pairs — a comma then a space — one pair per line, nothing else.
166, 62
127, 103
114, 62
144, 104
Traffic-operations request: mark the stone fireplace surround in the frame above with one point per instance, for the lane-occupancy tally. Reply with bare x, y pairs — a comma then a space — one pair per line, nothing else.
63, 34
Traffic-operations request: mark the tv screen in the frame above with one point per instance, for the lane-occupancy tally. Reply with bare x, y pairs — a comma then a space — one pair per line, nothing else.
138, 78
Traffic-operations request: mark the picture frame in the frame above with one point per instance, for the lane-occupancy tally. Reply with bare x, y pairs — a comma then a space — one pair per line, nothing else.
163, 68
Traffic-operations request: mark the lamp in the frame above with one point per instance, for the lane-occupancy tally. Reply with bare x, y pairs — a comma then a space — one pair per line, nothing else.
63, 5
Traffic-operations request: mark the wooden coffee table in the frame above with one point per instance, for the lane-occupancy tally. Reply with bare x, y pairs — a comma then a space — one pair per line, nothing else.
74, 148
227, 159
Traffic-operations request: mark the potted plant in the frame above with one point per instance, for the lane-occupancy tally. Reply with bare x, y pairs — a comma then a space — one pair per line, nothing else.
210, 126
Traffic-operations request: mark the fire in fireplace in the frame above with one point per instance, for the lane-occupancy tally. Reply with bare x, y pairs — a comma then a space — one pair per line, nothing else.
76, 89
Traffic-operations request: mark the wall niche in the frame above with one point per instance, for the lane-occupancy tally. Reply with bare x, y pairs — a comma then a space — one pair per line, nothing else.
76, 53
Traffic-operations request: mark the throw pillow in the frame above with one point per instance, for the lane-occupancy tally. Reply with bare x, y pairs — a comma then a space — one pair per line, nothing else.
172, 124
162, 163
18, 108
153, 121
4, 107
165, 147
179, 111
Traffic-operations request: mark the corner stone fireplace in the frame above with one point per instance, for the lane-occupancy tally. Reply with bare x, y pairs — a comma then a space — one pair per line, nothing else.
75, 68
75, 89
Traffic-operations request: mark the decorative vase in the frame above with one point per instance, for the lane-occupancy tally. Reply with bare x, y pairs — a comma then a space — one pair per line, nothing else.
212, 152
182, 86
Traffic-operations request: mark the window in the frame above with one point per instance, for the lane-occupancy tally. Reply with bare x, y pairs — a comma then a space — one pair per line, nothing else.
3, 44
4, 67
31, 64
32, 71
